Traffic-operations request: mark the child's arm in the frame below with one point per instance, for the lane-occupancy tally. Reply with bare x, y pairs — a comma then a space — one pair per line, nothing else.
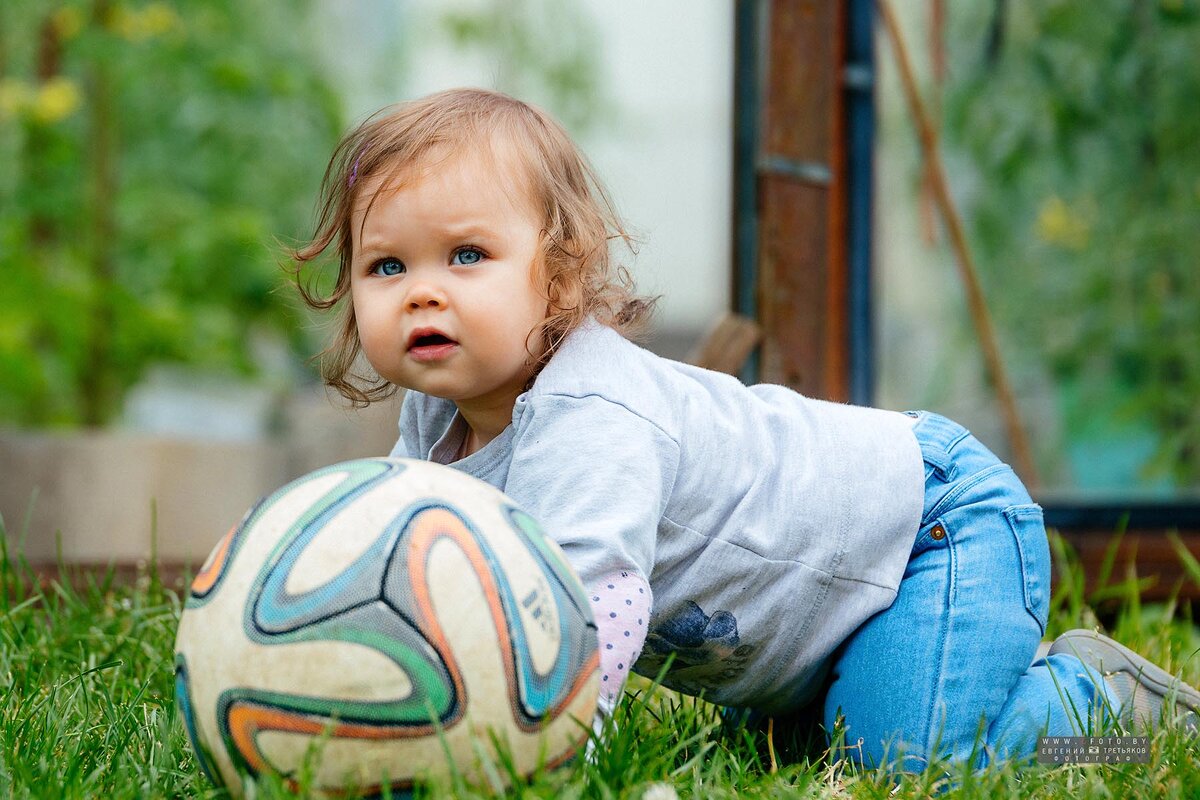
597, 477
621, 606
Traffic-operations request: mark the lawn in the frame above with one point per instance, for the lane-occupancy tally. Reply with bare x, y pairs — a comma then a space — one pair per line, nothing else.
87, 710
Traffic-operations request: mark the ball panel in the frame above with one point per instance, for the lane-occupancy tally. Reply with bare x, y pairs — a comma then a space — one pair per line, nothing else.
259, 533
335, 550
360, 695
534, 693
278, 609
250, 715
344, 657
576, 628
214, 566
554, 560
183, 703
355, 762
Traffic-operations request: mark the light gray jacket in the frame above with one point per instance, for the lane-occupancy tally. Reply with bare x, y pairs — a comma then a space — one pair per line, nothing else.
769, 525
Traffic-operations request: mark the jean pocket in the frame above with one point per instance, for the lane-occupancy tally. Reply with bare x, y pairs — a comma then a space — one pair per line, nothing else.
1029, 529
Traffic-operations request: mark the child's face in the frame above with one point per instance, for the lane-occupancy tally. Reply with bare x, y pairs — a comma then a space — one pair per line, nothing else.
442, 283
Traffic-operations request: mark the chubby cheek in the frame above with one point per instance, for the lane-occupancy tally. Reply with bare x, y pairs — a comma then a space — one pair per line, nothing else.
373, 331
362, 320
523, 334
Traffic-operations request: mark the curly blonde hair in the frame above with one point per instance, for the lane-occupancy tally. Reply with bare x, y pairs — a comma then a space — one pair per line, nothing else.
580, 279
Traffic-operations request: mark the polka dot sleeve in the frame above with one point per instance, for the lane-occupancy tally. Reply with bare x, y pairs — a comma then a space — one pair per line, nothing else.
621, 606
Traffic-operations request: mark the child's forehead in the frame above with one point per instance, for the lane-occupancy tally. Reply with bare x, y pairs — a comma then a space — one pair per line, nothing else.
490, 163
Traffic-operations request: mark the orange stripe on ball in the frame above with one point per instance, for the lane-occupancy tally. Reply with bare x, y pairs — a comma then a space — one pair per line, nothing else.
207, 577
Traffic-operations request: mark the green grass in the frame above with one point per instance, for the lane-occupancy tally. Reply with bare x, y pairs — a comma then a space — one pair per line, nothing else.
87, 710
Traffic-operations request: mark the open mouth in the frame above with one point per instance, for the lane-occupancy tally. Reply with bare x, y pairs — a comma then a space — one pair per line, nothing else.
429, 344
430, 340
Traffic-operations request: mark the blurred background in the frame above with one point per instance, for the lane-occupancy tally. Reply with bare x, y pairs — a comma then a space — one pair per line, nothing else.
158, 158
1070, 138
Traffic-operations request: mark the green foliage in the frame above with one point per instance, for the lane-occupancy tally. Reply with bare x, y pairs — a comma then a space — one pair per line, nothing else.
157, 150
545, 51
1079, 120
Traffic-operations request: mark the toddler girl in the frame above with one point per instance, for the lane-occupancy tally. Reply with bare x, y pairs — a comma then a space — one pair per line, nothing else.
784, 550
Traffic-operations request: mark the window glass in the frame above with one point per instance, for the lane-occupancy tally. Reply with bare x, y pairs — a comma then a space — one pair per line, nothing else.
1069, 136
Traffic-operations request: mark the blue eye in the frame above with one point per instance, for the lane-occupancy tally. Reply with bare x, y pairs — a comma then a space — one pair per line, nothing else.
388, 266
467, 256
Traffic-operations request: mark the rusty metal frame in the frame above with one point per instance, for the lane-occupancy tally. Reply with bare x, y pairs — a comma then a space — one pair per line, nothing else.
804, 112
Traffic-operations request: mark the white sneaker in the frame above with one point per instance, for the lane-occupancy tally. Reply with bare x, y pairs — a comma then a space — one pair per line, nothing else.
1141, 686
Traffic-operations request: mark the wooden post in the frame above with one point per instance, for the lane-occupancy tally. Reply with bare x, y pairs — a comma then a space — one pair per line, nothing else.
802, 278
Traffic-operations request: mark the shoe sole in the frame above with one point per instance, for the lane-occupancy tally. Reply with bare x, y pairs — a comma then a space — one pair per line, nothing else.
1116, 657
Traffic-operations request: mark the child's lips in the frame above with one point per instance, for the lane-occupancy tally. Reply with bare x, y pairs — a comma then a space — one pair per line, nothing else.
426, 353
428, 344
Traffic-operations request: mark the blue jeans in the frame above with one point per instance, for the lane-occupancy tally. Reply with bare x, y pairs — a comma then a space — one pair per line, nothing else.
946, 670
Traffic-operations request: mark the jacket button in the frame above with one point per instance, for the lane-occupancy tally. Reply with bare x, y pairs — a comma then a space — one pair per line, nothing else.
938, 533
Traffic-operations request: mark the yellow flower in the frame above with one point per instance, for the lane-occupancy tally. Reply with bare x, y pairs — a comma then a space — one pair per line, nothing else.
1058, 223
56, 100
15, 97
15, 332
125, 22
152, 20
68, 22
158, 18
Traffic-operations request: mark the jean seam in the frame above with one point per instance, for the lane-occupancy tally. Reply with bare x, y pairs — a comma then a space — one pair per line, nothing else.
957, 492
956, 441
943, 634
934, 439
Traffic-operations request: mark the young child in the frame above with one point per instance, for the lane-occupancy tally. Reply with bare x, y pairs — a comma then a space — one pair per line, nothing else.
784, 550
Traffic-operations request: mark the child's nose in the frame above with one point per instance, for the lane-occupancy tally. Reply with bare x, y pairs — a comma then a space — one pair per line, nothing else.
424, 294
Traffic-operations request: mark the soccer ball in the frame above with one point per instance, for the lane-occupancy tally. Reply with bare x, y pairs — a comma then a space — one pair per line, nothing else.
384, 621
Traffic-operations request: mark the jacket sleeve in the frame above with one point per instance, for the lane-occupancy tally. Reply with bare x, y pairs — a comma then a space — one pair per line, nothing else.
597, 477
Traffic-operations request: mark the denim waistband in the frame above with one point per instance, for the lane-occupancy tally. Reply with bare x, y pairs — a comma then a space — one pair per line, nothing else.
937, 436
955, 464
